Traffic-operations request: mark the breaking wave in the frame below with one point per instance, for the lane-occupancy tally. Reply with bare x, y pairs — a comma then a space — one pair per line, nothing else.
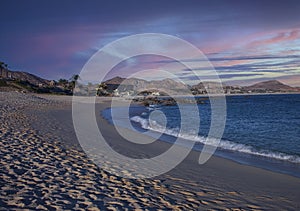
223, 144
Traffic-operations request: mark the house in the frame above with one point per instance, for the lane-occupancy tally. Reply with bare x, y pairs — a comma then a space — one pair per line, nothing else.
120, 89
155, 93
52, 83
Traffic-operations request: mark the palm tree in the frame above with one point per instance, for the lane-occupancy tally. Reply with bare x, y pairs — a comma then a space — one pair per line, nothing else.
3, 65
73, 80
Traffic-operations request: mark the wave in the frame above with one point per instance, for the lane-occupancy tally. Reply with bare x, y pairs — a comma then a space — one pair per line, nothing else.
224, 144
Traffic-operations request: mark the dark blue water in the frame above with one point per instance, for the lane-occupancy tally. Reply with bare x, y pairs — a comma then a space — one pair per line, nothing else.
261, 130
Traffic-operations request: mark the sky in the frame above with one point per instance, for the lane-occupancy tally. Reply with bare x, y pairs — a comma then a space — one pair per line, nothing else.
245, 41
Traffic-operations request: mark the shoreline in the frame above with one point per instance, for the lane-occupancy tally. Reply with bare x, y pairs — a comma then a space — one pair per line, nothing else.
105, 104
251, 94
274, 161
218, 184
251, 179
267, 161
212, 95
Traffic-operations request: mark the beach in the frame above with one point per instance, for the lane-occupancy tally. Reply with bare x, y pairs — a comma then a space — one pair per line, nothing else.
43, 167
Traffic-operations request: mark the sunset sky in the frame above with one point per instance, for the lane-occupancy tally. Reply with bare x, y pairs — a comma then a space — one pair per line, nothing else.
246, 41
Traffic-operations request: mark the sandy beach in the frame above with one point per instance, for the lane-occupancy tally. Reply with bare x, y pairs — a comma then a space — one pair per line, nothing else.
43, 167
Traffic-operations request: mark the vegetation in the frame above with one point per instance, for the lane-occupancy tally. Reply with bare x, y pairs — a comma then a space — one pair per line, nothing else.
18, 82
72, 81
64, 83
102, 90
3, 65
3, 83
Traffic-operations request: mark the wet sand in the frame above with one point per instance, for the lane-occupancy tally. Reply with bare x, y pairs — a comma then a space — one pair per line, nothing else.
43, 167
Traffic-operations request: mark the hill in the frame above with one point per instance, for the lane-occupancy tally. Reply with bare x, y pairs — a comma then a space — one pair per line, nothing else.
174, 87
23, 81
139, 85
23, 76
272, 85
27, 82
204, 87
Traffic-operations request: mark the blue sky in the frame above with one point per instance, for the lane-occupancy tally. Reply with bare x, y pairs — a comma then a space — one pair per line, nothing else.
246, 41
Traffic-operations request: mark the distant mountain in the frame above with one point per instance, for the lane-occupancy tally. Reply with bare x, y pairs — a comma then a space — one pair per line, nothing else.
16, 80
26, 82
23, 76
174, 87
272, 85
139, 85
115, 80
203, 87
206, 84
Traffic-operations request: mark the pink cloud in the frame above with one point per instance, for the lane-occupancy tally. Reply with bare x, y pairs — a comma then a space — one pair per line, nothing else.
280, 37
54, 50
232, 62
289, 52
217, 48
245, 44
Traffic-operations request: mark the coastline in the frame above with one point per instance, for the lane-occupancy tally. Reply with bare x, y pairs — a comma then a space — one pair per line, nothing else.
272, 160
218, 184
243, 94
251, 180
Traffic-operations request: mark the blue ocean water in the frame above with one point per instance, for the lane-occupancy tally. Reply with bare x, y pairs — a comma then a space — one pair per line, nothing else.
261, 130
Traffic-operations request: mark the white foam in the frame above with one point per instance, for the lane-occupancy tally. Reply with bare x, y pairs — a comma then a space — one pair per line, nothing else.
224, 144
144, 122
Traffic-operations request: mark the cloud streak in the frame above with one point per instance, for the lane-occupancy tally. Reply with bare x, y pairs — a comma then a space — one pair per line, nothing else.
281, 37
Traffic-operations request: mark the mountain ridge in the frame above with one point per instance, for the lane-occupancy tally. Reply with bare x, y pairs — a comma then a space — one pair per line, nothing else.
165, 85
270, 85
22, 76
273, 85
168, 85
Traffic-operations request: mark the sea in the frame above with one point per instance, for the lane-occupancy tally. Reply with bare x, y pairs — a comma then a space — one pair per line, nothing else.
260, 130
